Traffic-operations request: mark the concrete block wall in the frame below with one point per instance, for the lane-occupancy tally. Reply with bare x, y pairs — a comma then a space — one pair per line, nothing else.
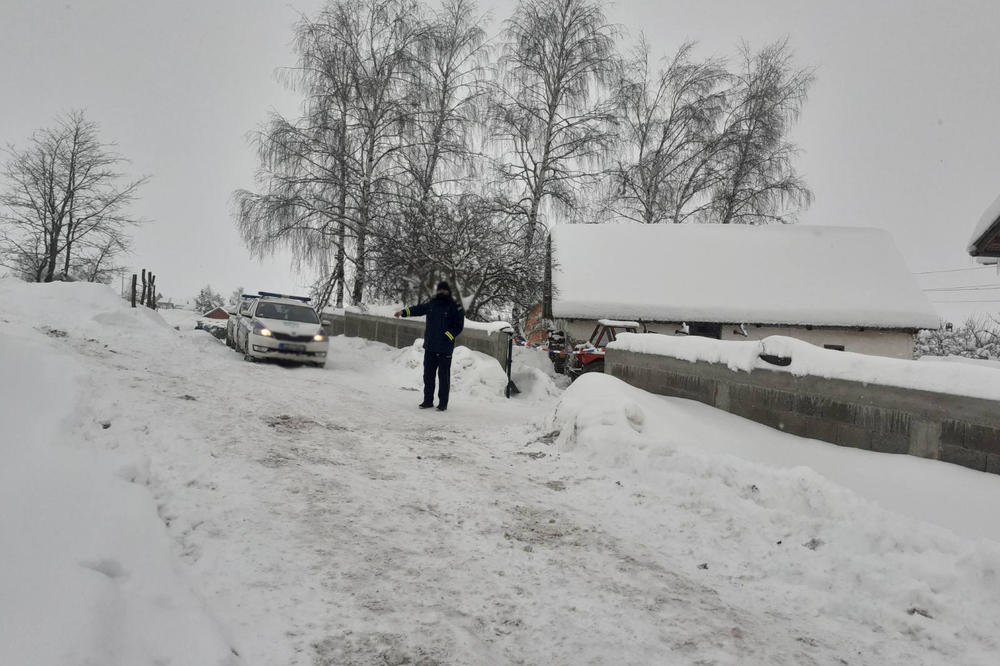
401, 333
888, 419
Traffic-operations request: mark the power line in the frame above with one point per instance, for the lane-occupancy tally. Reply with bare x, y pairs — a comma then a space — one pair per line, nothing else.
955, 270
994, 300
969, 287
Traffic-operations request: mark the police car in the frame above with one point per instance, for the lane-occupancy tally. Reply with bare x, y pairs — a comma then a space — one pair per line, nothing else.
281, 327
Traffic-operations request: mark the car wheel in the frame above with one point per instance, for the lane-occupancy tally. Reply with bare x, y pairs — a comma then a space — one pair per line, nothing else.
248, 358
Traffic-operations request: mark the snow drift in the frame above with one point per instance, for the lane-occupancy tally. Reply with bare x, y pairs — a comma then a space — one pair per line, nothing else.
89, 575
787, 531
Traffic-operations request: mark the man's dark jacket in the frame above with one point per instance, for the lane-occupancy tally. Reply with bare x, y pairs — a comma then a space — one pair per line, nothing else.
445, 321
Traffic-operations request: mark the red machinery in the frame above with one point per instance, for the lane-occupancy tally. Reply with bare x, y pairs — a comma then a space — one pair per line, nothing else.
587, 356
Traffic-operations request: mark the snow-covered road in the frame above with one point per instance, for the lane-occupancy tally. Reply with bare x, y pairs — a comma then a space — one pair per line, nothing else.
322, 519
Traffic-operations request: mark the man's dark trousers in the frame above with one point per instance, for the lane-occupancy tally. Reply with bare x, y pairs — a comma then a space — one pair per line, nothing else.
441, 365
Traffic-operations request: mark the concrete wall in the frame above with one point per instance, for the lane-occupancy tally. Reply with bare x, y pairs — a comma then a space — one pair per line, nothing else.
956, 429
403, 332
877, 342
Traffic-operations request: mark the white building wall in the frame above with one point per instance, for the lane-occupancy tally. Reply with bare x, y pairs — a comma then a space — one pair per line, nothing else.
877, 342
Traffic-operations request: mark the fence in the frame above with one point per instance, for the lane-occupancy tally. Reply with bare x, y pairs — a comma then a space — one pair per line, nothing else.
952, 428
148, 295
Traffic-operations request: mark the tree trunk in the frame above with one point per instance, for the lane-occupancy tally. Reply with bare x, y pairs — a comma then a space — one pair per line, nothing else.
339, 269
52, 258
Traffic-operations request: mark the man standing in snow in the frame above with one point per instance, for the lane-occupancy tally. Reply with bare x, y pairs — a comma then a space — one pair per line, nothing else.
445, 320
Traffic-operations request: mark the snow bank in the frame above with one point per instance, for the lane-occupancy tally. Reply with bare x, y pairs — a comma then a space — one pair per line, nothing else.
953, 378
777, 274
473, 374
787, 531
88, 574
534, 375
77, 307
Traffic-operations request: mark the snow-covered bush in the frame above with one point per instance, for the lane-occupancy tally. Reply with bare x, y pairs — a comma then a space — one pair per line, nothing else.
978, 337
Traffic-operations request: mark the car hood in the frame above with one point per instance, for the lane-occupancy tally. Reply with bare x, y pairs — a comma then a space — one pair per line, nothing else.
290, 327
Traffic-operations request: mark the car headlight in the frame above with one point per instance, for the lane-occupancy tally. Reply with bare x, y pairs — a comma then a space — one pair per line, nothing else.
265, 332
319, 337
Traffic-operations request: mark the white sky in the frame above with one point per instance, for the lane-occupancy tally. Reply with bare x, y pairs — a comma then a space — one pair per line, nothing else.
900, 130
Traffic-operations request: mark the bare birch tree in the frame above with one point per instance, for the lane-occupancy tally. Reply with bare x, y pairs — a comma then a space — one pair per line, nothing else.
761, 184
547, 113
66, 199
668, 136
329, 178
446, 92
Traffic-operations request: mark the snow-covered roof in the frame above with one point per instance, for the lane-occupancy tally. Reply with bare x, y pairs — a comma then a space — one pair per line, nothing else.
796, 275
990, 218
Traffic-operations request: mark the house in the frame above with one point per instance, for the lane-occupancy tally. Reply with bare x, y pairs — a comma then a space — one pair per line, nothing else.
216, 313
836, 287
985, 242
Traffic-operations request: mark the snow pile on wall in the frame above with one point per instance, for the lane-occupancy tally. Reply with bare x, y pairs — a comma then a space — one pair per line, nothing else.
824, 276
809, 360
790, 532
88, 574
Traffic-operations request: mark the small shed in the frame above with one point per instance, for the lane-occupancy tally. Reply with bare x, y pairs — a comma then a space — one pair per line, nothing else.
844, 288
216, 313
985, 242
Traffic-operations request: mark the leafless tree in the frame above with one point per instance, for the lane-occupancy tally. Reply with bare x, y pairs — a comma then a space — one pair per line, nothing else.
66, 202
473, 243
330, 177
668, 139
761, 184
302, 205
548, 114
446, 92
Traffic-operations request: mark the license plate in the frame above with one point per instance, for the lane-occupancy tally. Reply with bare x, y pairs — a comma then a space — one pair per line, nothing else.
291, 348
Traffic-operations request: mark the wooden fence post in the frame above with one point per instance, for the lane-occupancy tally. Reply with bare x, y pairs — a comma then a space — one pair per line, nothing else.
133, 289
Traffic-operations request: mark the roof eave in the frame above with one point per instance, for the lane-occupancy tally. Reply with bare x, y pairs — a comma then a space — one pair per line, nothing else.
991, 235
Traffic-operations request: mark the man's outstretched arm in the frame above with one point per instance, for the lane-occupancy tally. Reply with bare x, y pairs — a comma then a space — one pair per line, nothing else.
414, 311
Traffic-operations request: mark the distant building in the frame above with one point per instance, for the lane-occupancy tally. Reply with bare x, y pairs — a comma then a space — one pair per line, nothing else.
985, 242
835, 287
217, 313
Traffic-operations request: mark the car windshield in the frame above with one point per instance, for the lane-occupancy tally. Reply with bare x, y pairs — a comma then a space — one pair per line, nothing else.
287, 312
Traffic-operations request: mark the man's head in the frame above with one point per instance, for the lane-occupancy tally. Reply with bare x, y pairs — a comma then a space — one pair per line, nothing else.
443, 289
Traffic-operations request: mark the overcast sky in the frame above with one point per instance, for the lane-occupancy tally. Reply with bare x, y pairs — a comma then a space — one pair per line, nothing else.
901, 130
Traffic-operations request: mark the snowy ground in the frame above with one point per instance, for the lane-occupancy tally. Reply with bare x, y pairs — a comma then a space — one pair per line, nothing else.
164, 502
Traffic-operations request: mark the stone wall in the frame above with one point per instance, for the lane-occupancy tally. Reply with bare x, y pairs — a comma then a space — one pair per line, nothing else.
889, 419
403, 332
